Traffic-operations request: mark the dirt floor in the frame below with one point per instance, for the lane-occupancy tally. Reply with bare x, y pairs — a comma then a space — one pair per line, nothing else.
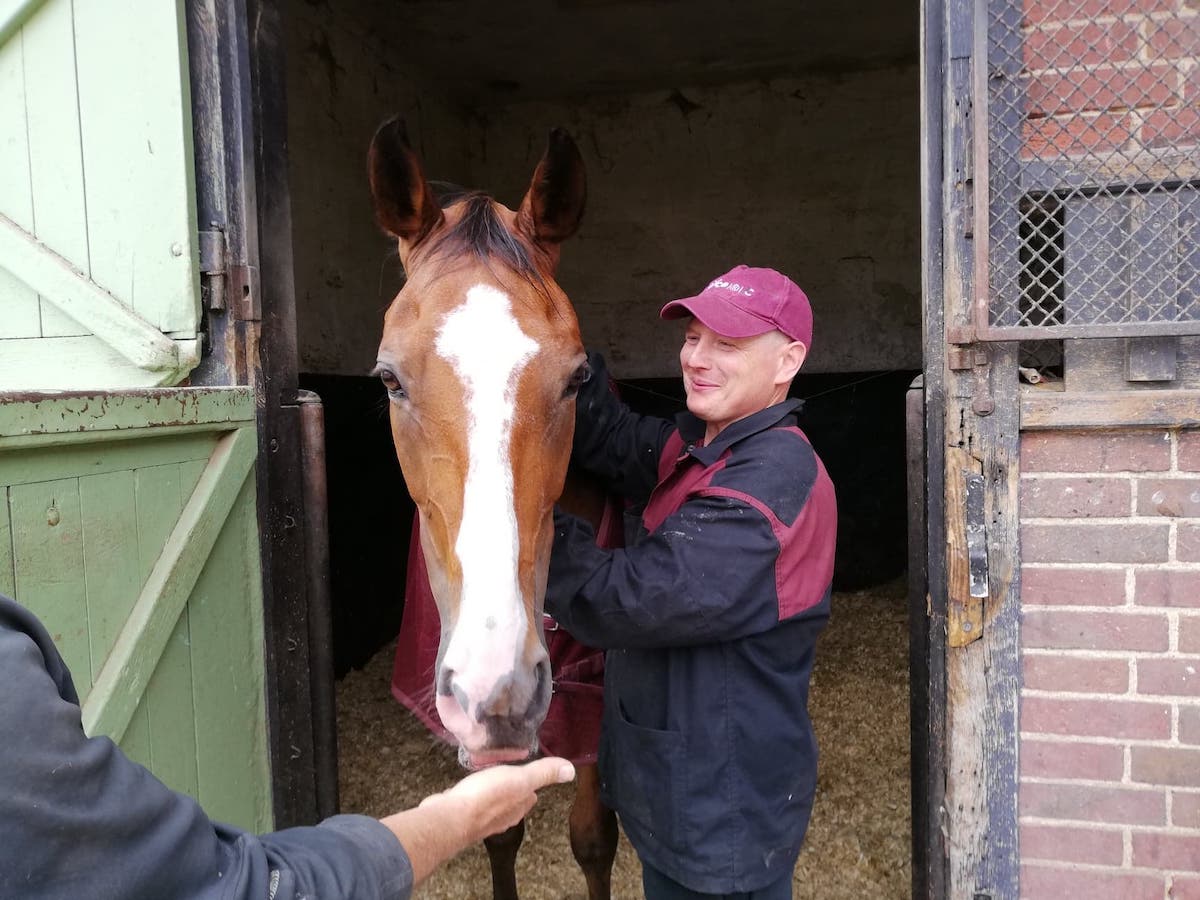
857, 844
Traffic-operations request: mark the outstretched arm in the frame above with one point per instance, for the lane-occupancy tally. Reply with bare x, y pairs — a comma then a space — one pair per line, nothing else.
78, 818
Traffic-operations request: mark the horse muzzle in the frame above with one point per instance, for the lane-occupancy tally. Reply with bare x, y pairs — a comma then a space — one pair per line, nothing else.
494, 719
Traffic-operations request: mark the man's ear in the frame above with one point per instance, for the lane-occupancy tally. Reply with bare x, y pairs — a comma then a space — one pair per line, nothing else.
791, 358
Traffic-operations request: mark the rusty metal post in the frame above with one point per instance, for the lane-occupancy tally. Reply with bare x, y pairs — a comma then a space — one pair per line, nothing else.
320, 623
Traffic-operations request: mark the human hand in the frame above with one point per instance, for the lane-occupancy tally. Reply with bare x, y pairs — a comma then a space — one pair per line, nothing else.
497, 798
482, 804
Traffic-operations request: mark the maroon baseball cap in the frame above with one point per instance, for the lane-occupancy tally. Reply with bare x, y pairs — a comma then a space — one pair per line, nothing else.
745, 302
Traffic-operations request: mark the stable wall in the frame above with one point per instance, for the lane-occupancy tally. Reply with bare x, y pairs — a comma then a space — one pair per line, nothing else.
816, 175
344, 78
1110, 651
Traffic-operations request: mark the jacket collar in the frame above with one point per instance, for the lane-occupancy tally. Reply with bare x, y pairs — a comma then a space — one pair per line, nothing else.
691, 429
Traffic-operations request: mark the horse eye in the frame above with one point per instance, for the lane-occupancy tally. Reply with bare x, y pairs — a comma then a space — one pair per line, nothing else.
579, 378
394, 388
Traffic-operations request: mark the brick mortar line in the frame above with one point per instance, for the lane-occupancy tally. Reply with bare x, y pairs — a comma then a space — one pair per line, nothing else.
1132, 18
1109, 520
1126, 654
1172, 474
1126, 610
1131, 697
1097, 867
1111, 827
1171, 565
1134, 65
1171, 743
1152, 743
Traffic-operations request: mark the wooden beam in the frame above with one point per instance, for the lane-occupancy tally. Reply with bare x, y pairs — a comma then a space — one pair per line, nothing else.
58, 281
90, 416
14, 14
1109, 409
116, 691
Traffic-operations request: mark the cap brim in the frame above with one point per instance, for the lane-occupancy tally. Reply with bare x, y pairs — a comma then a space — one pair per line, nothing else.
718, 314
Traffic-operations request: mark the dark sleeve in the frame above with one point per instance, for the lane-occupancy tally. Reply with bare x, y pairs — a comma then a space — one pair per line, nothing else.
80, 819
707, 574
613, 442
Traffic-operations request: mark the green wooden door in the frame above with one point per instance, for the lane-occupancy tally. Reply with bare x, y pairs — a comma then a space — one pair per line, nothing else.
127, 510
98, 260
128, 524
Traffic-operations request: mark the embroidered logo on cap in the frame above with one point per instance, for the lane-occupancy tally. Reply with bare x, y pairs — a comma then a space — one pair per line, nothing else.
744, 289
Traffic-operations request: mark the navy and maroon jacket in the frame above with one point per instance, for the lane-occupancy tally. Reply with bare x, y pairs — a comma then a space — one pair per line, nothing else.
79, 819
710, 621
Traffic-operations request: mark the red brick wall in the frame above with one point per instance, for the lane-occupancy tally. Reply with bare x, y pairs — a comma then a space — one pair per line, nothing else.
1110, 708
1110, 75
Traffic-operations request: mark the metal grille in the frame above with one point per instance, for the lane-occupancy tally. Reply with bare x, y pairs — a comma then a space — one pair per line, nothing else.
1088, 159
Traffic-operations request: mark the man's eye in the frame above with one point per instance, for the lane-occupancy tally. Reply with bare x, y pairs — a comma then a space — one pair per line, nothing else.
579, 378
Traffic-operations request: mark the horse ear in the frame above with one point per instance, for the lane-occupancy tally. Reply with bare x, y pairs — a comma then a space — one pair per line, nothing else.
404, 203
553, 206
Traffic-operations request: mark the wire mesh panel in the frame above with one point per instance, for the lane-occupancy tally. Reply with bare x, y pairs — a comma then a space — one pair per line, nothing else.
1088, 194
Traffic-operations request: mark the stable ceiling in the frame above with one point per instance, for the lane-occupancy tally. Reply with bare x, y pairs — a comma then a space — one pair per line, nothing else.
484, 53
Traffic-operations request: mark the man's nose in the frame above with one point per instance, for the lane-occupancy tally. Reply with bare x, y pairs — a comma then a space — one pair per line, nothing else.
698, 357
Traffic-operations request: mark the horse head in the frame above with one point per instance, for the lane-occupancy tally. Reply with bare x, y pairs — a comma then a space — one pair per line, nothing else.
481, 358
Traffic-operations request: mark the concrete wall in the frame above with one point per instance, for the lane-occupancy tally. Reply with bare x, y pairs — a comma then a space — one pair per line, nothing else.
814, 175
344, 78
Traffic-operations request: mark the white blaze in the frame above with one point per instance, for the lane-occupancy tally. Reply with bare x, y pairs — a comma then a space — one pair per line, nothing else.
485, 345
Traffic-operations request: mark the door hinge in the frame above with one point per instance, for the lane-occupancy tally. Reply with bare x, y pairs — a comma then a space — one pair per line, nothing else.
224, 284
965, 353
212, 268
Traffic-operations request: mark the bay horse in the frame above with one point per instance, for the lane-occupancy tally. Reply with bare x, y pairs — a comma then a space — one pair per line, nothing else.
481, 358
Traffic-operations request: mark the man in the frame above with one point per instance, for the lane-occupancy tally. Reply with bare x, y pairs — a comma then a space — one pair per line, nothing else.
710, 618
78, 819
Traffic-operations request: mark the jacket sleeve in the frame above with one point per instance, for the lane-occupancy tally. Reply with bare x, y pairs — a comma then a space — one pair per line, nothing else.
613, 442
706, 575
80, 819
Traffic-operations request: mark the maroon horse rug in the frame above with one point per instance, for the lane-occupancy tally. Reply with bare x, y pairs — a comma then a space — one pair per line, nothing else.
572, 725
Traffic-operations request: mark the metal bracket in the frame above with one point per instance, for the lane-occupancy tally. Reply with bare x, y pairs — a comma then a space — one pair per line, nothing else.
965, 353
977, 558
966, 538
225, 285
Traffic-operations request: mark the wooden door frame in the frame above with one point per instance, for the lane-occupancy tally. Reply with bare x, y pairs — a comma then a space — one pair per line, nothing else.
927, 530
968, 817
243, 202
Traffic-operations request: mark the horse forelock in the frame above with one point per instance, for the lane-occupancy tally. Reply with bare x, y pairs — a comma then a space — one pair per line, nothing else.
480, 233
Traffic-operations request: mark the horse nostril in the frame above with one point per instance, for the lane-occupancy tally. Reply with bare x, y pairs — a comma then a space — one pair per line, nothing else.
444, 680
447, 687
545, 684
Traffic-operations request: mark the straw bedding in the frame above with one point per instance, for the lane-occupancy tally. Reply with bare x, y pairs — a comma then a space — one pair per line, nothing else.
858, 841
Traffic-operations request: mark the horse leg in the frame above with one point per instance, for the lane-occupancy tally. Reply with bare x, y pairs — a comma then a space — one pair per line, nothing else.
593, 833
502, 855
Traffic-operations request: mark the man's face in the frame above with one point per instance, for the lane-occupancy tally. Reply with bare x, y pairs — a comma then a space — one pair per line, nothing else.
727, 378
